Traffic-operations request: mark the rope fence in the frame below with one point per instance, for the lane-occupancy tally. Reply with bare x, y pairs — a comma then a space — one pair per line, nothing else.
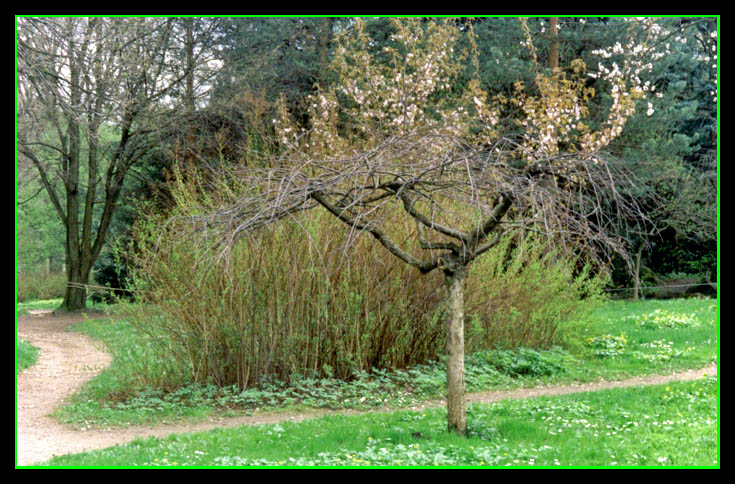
711, 284
79, 285
106, 288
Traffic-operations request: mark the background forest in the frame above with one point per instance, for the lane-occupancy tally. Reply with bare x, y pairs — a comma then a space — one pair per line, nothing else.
128, 125
231, 72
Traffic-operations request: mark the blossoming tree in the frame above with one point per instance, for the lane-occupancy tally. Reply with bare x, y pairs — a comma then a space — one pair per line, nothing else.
394, 143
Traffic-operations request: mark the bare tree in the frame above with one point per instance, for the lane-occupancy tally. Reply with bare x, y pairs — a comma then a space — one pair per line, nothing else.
458, 189
89, 106
460, 200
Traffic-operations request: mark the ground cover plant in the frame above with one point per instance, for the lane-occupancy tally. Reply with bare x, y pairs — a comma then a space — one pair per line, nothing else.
665, 425
123, 395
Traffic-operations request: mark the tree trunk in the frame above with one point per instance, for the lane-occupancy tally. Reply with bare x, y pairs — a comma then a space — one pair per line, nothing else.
73, 299
456, 411
325, 33
637, 275
75, 296
554, 47
189, 102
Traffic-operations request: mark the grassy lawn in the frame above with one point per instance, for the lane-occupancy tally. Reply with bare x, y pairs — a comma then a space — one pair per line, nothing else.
672, 425
628, 339
668, 425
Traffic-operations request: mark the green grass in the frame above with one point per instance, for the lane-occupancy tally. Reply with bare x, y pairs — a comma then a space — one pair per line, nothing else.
27, 355
674, 424
668, 425
660, 335
120, 395
24, 307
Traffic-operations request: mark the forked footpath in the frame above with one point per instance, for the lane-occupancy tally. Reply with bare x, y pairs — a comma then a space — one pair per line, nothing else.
68, 359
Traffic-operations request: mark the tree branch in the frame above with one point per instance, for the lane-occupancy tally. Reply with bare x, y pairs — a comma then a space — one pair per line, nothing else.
492, 221
46, 183
423, 266
436, 245
489, 245
408, 205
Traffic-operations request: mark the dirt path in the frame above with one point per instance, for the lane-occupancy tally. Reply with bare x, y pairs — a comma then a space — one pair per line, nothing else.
68, 359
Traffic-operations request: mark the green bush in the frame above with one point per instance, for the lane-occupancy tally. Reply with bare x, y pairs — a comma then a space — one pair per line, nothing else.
287, 301
39, 285
294, 300
524, 294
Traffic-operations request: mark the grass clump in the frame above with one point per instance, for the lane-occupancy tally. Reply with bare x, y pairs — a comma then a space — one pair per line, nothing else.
659, 350
607, 345
26, 355
660, 318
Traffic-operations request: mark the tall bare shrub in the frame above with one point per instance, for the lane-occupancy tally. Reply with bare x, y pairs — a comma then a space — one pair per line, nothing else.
290, 300
525, 294
286, 301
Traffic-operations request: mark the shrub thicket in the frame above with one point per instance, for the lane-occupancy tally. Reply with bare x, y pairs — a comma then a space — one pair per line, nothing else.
294, 299
40, 285
288, 300
525, 294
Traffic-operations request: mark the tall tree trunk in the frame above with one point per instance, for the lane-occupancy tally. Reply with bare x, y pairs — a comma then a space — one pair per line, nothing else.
325, 34
457, 416
75, 296
637, 275
189, 76
554, 47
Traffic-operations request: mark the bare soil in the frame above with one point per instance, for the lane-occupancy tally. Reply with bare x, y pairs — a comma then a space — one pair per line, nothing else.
68, 359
